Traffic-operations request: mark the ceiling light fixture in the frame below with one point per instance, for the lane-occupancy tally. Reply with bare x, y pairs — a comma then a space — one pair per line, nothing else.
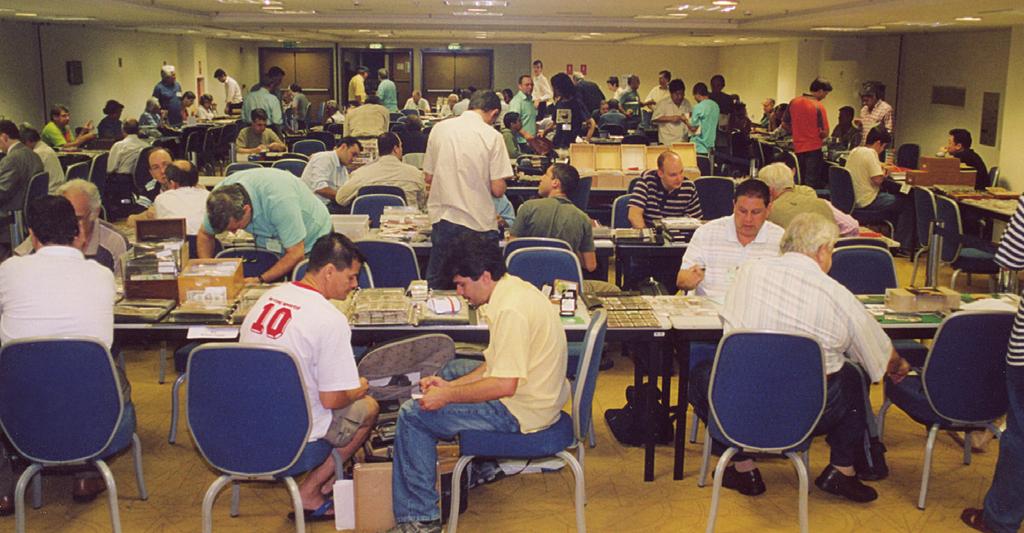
837, 28
272, 8
476, 14
26, 15
476, 3
968, 19
678, 14
724, 3
728, 9
681, 7
363, 31
596, 33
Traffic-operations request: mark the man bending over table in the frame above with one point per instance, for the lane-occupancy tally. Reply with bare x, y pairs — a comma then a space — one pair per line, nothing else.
519, 388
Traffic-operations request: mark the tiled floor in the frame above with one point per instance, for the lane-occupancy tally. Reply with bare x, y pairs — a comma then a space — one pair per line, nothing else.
618, 499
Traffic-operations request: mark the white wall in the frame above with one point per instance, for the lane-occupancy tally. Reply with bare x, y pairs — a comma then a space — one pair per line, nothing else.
20, 86
691, 64
977, 61
848, 62
239, 59
1011, 157
752, 72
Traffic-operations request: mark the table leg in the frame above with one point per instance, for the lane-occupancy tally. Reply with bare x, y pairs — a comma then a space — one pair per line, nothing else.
682, 348
646, 399
163, 361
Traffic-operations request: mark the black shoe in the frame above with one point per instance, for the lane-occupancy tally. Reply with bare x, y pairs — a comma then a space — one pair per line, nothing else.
849, 487
746, 483
6, 505
878, 470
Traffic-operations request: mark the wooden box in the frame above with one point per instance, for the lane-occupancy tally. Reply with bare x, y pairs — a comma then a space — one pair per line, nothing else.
609, 180
924, 178
922, 300
583, 156
157, 230
193, 285
687, 152
652, 155
373, 497
939, 164
607, 157
634, 157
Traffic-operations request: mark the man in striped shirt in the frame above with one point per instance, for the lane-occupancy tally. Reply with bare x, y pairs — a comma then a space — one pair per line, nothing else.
1004, 507
792, 293
665, 193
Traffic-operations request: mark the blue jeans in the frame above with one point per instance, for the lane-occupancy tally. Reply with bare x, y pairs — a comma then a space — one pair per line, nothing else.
1004, 508
900, 211
413, 478
443, 235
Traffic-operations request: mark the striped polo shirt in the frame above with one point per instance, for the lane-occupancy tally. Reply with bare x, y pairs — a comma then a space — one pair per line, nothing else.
651, 196
1011, 256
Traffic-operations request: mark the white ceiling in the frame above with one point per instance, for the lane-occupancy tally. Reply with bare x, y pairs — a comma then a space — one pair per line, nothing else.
522, 21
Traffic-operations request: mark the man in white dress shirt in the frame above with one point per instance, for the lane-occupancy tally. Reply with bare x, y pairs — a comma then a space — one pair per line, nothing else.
418, 103
326, 172
51, 163
719, 247
232, 91
542, 90
387, 170
124, 154
793, 293
466, 164
184, 197
670, 115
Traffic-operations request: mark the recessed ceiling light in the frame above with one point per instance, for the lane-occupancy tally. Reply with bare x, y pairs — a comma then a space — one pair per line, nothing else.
837, 28
477, 9
294, 12
681, 7
26, 15
678, 15
724, 3
714, 8
476, 3
272, 8
968, 19
728, 9
717, 41
878, 27
596, 33
363, 31
475, 14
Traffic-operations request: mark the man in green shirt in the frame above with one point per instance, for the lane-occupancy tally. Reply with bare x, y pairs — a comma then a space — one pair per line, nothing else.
630, 101
703, 125
522, 103
57, 134
258, 137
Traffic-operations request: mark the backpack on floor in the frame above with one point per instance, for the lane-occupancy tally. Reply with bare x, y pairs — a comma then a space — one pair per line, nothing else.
627, 423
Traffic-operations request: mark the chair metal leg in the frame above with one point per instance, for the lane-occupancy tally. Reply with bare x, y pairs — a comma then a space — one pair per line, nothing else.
172, 435
108, 477
236, 498
592, 434
580, 492
208, 499
37, 491
952, 280
705, 459
800, 464
453, 513
881, 417
694, 428
120, 359
928, 449
967, 448
806, 456
995, 430
140, 480
717, 486
300, 517
917, 256
163, 362
19, 496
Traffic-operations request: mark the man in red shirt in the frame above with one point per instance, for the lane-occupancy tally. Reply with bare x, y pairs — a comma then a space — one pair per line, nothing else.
807, 121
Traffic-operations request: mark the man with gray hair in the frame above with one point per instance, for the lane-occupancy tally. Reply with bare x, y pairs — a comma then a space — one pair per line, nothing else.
466, 164
168, 92
788, 198
792, 293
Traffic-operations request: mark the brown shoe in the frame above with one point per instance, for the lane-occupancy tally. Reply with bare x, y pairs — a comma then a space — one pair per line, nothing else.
86, 489
6, 505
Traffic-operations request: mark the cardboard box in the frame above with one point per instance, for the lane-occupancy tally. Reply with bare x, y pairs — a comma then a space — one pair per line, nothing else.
354, 227
583, 156
197, 287
923, 178
151, 231
939, 164
922, 300
373, 497
607, 157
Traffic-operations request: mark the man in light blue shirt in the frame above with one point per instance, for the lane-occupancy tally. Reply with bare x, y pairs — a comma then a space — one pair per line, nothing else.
261, 98
279, 210
703, 122
387, 92
522, 103
326, 173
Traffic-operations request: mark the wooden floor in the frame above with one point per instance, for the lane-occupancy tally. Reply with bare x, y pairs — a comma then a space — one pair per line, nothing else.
619, 501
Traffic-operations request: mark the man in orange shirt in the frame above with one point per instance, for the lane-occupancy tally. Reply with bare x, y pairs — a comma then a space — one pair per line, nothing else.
807, 122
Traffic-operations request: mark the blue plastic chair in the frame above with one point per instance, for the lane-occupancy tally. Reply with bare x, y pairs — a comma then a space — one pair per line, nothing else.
393, 263
620, 212
374, 204
907, 155
767, 394
255, 261
309, 147
381, 189
581, 196
957, 250
61, 404
534, 242
861, 241
78, 170
295, 166
715, 194
411, 112
567, 432
249, 415
924, 214
325, 137
840, 186
240, 166
541, 266
863, 269
962, 386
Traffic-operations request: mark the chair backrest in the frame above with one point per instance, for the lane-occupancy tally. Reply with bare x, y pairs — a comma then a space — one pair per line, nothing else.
309, 146
294, 155
840, 185
247, 407
393, 264
953, 231
98, 170
335, 129
60, 399
239, 166
381, 189
581, 196
964, 374
613, 129
924, 213
767, 390
861, 241
586, 374
634, 139
534, 242
295, 166
541, 266
78, 170
907, 155
715, 194
993, 177
411, 112
325, 137
414, 159
794, 163
194, 140
374, 204
620, 211
38, 185
864, 269
255, 261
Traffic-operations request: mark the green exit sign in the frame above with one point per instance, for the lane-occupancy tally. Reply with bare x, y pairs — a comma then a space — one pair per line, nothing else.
291, 44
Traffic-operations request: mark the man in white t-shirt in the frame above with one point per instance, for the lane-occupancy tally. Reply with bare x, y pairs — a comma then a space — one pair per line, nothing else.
659, 93
670, 115
327, 171
184, 197
542, 90
466, 164
299, 317
872, 191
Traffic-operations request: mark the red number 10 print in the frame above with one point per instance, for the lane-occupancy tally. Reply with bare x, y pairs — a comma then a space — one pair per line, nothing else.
274, 327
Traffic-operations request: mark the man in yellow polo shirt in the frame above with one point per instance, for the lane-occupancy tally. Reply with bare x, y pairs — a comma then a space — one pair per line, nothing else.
519, 388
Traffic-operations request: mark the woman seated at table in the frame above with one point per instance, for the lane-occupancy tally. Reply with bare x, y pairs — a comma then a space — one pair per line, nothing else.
207, 110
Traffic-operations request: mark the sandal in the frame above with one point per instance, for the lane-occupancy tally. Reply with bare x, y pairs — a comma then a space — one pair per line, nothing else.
975, 519
317, 515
